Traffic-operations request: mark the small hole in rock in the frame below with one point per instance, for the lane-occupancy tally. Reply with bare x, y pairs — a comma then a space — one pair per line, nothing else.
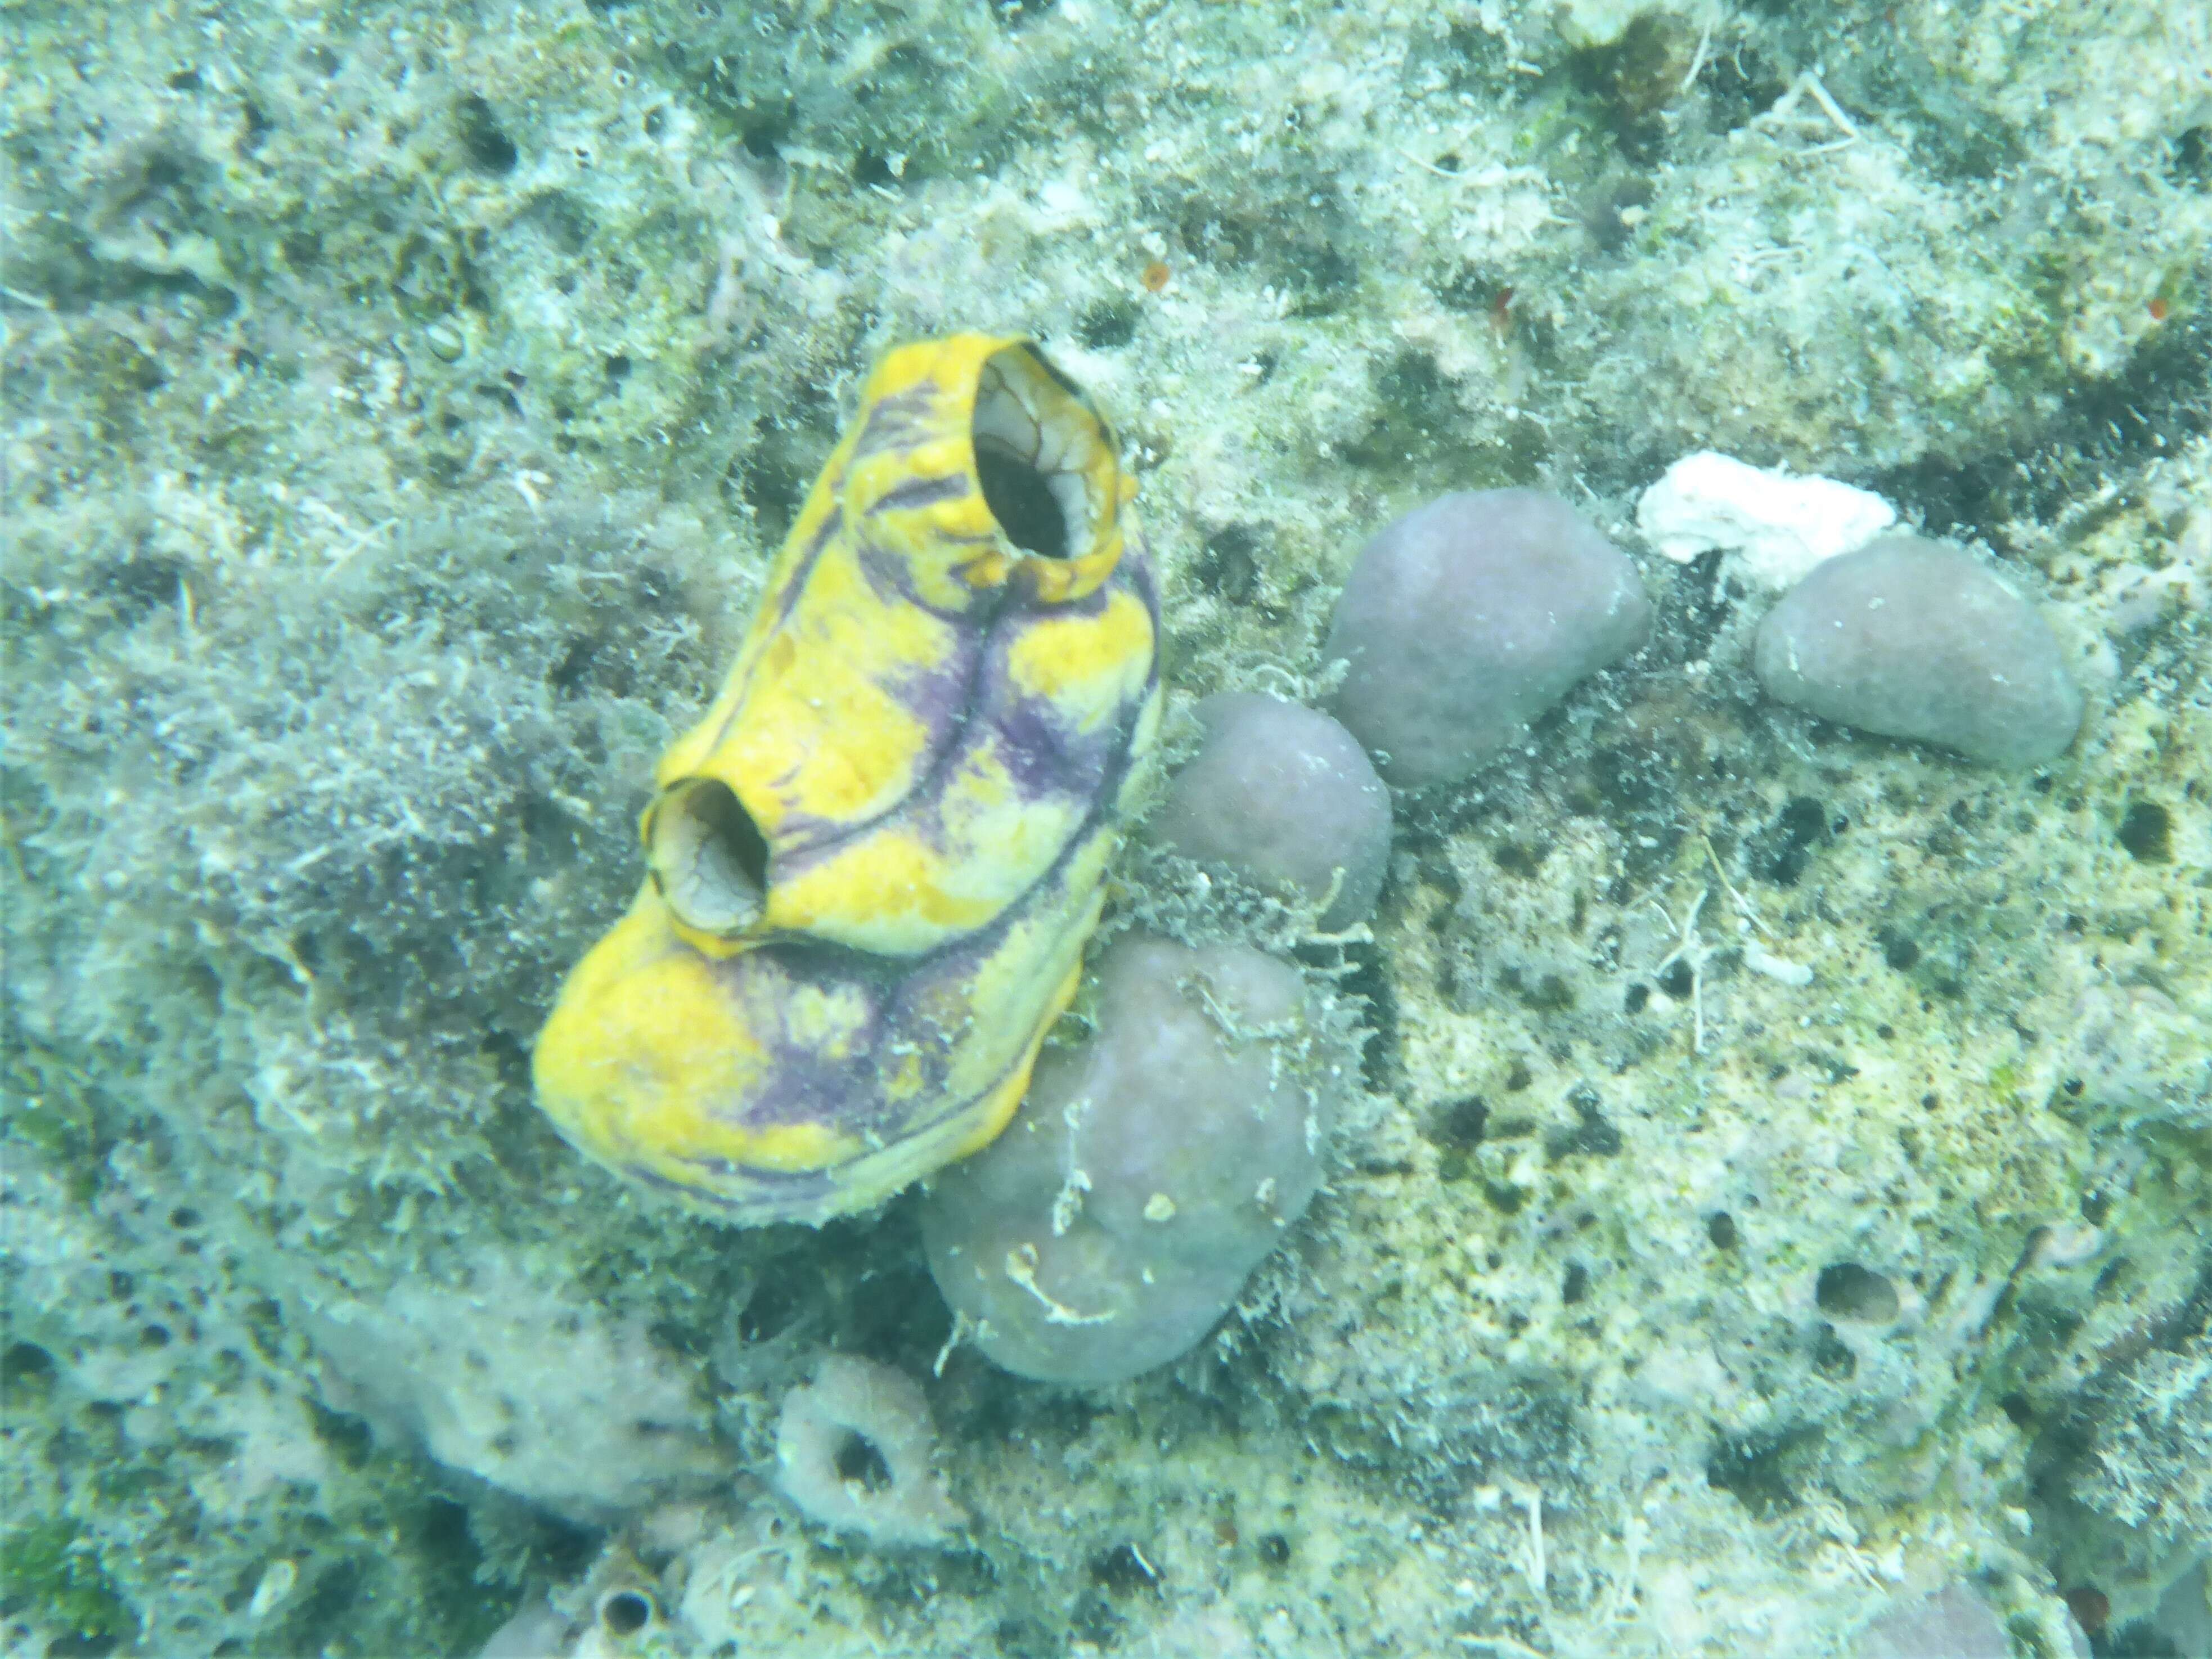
1844, 1290
1229, 564
490, 148
1461, 1123
2091, 1609
1121, 1570
1577, 1283
1897, 949
348, 1438
1721, 1229
1592, 1135
1833, 1357
2147, 832
768, 1312
1780, 852
625, 1613
860, 1463
1756, 1469
1108, 324
25, 1362
764, 139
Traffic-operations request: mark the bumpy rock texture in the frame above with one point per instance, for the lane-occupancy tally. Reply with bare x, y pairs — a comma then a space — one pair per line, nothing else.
1284, 798
1150, 1171
502, 1379
1911, 639
1467, 618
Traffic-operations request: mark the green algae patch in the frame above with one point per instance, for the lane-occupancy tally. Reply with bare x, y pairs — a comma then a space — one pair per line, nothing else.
47, 1568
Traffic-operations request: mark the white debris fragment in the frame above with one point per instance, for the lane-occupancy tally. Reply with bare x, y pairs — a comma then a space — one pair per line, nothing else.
1773, 526
1761, 960
276, 1582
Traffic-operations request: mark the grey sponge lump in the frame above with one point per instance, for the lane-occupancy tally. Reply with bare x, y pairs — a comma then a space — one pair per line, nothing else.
1149, 1170
1283, 798
1910, 638
1466, 619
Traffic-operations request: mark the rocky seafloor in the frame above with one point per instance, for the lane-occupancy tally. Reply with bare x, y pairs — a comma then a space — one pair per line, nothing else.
402, 404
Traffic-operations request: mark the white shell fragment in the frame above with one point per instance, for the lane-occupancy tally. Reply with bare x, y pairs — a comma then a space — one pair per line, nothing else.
1761, 960
1774, 527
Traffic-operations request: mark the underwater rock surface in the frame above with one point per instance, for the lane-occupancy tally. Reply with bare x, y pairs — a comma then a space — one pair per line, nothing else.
1776, 1188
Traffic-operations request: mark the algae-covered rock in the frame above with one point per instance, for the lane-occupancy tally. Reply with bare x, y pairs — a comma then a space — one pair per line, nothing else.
503, 1378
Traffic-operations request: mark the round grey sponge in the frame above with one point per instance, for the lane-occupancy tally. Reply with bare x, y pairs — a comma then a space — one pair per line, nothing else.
1283, 798
1466, 619
1149, 1170
1911, 639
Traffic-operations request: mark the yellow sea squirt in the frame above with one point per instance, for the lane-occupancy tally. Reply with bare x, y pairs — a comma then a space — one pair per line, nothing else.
873, 864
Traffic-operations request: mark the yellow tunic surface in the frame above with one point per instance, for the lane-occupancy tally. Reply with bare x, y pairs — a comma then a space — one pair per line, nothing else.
873, 864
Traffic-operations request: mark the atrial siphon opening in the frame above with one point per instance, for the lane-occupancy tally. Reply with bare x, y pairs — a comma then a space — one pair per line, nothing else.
1033, 438
707, 856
